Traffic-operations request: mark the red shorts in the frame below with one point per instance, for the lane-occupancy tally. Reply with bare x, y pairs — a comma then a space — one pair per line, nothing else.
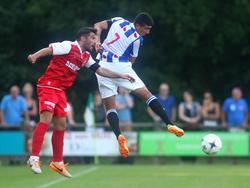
53, 101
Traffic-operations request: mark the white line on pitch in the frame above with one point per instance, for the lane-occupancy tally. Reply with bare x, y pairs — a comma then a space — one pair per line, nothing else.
81, 173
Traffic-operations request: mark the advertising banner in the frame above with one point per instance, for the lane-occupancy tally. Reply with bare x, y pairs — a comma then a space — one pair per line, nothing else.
12, 143
163, 144
90, 143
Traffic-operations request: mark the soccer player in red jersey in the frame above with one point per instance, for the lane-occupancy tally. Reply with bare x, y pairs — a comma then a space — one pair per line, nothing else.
68, 58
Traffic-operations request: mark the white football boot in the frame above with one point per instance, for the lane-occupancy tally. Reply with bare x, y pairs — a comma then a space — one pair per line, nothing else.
34, 164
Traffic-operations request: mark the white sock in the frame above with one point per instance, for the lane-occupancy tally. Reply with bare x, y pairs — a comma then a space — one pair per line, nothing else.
33, 158
60, 163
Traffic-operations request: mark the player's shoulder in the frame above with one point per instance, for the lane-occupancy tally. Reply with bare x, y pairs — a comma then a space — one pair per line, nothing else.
67, 42
114, 19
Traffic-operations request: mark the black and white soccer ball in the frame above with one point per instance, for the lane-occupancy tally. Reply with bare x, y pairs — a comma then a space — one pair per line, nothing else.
211, 144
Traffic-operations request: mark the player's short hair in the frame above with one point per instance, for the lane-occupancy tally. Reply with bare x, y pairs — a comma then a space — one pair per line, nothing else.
85, 31
144, 18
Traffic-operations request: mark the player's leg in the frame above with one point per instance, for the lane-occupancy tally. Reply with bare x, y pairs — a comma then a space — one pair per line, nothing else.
57, 164
37, 140
111, 114
112, 117
139, 88
108, 91
59, 121
155, 105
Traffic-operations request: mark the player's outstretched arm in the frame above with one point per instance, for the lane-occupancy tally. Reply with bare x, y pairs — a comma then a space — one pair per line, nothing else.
110, 74
41, 53
99, 26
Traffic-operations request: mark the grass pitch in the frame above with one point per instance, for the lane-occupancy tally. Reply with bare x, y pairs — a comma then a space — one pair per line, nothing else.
135, 176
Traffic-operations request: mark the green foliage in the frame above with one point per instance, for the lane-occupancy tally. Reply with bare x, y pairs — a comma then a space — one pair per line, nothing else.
194, 44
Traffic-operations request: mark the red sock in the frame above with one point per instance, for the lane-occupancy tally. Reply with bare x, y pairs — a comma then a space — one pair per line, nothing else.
57, 145
38, 136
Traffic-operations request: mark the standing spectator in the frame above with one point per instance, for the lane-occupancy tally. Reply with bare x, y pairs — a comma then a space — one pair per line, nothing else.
167, 102
124, 104
210, 111
31, 103
32, 113
100, 115
235, 112
70, 115
13, 108
189, 112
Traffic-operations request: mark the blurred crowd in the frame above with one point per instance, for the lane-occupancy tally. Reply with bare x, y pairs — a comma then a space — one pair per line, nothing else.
19, 110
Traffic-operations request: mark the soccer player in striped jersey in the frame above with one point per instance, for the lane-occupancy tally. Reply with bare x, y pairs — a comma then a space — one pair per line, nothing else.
118, 52
68, 58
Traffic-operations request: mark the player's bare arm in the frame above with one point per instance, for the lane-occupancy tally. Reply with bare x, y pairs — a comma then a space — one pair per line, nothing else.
99, 26
41, 53
110, 74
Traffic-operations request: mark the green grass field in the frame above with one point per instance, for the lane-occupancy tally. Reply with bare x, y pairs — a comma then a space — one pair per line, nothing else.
137, 176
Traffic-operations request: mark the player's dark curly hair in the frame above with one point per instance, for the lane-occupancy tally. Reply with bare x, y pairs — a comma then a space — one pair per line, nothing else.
84, 31
144, 18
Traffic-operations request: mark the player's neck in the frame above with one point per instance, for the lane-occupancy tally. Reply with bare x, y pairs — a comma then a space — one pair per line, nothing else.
80, 43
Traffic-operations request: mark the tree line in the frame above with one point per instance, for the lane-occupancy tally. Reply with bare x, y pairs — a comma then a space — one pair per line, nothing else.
194, 44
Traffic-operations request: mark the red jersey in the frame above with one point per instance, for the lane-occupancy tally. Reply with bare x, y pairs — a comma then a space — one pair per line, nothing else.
67, 59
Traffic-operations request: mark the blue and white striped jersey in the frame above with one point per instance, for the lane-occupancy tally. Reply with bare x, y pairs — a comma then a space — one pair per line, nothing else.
121, 42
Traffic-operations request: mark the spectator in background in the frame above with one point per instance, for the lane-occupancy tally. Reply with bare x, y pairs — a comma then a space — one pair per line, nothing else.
235, 112
31, 103
70, 115
167, 102
210, 111
32, 113
189, 112
0, 115
13, 108
124, 104
100, 115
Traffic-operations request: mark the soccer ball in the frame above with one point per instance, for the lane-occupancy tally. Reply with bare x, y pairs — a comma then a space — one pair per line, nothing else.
211, 144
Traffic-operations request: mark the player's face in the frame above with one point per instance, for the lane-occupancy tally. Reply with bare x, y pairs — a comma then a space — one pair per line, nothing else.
143, 30
90, 41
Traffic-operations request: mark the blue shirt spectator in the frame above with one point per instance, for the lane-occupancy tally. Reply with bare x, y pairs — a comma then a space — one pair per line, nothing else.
167, 102
235, 111
13, 107
124, 103
124, 114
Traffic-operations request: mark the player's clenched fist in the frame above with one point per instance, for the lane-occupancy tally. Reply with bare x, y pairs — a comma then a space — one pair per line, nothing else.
31, 58
98, 47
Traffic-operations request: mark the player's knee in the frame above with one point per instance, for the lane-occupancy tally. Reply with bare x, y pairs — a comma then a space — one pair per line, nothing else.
46, 117
143, 93
60, 126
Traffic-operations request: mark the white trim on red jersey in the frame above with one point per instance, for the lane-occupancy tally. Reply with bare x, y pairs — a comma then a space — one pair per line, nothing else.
63, 48
49, 87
